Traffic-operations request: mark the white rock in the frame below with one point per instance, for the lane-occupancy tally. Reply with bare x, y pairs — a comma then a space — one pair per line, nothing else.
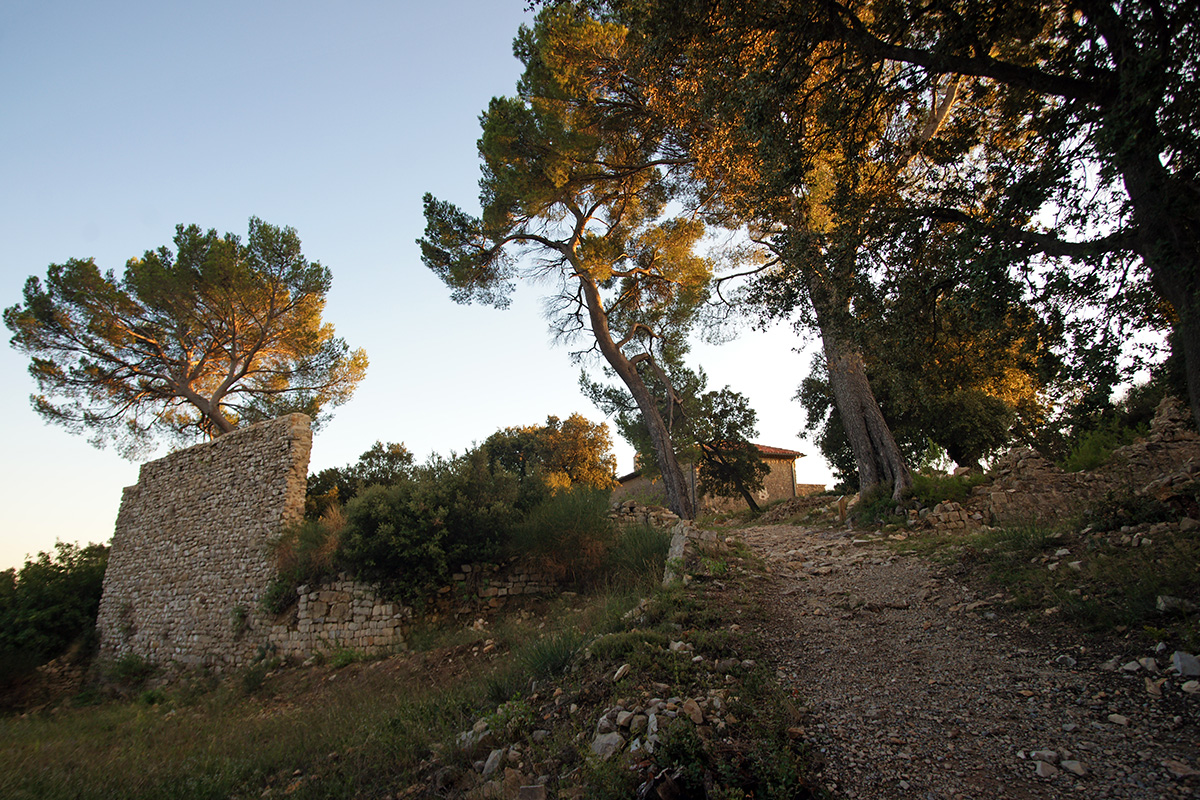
1186, 664
606, 745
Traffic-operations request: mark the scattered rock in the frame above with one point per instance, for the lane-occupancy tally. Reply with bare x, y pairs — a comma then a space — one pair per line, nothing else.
1118, 719
606, 745
1045, 769
1186, 664
1073, 767
1179, 769
694, 712
494, 760
1177, 605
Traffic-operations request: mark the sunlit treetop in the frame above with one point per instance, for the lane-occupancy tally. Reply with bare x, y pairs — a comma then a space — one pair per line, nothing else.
189, 342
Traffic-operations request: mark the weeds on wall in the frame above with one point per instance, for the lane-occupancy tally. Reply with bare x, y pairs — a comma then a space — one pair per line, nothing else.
304, 554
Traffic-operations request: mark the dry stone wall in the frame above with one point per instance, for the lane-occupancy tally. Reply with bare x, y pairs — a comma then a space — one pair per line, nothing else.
189, 561
344, 614
1027, 487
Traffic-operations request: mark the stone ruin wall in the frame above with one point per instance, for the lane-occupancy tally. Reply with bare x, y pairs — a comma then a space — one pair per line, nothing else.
189, 561
344, 614
1027, 487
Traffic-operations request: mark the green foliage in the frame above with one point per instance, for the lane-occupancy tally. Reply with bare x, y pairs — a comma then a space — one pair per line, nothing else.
241, 322
575, 172
345, 657
730, 466
876, 507
1095, 447
554, 456
49, 604
407, 536
931, 489
568, 535
1114, 511
638, 555
551, 655
303, 554
382, 465
1114, 585
131, 670
617, 646
513, 718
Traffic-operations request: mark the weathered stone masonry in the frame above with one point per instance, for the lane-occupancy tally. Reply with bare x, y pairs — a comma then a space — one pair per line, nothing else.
190, 558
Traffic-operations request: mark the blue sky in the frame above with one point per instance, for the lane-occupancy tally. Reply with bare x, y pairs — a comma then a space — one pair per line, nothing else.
123, 119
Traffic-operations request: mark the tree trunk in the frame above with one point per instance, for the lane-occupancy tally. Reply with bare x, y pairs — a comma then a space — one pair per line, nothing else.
679, 497
1168, 222
875, 451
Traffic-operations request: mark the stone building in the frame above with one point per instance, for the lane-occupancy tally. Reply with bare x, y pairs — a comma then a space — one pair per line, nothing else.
780, 483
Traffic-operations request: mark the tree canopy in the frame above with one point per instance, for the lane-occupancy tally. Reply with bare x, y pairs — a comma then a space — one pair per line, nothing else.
190, 341
577, 178
562, 453
1058, 140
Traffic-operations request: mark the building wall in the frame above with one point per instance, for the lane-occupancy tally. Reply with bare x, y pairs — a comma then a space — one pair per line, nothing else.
779, 484
190, 559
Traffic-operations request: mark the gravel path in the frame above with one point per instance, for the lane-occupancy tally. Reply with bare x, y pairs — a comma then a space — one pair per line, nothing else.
912, 685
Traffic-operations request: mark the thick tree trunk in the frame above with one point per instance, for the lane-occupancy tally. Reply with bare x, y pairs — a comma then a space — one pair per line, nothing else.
875, 451
1168, 222
679, 496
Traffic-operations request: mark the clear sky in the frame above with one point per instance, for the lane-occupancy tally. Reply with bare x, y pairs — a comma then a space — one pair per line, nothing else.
122, 119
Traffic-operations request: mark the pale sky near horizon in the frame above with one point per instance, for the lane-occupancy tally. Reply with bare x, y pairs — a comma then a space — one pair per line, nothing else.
123, 119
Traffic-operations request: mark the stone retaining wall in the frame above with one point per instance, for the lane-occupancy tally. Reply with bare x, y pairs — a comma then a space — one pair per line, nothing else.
631, 512
343, 614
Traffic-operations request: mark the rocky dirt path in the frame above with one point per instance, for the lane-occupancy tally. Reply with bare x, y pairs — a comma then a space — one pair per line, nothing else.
912, 685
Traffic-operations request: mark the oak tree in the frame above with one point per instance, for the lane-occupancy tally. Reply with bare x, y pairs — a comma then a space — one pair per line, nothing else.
190, 341
1069, 140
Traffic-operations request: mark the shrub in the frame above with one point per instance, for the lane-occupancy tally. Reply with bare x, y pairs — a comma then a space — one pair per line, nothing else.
933, 489
1095, 447
304, 553
406, 535
1114, 511
49, 605
395, 540
568, 536
131, 670
876, 507
639, 554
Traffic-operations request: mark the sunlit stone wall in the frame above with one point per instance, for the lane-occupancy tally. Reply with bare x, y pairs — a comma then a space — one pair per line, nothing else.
190, 560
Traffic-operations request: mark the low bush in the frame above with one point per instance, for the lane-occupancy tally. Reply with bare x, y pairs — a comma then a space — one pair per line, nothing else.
638, 555
568, 536
305, 553
1095, 447
929, 490
406, 536
49, 605
1116, 510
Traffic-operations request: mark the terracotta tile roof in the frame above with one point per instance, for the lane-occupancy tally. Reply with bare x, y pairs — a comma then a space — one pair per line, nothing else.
777, 452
